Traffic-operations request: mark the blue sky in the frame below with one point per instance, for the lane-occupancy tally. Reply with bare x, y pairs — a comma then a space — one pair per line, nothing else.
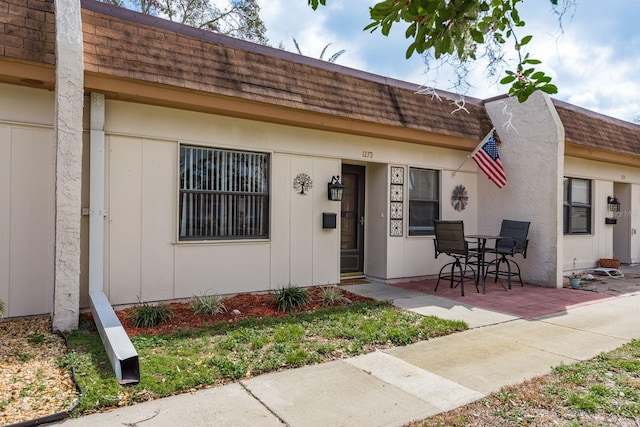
595, 60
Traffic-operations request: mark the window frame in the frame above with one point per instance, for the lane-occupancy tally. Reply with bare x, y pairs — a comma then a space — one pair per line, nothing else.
427, 230
569, 206
236, 200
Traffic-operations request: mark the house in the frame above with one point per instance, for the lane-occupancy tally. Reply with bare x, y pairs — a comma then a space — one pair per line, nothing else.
153, 161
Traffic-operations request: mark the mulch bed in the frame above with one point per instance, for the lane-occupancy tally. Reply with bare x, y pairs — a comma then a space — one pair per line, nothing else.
32, 385
237, 307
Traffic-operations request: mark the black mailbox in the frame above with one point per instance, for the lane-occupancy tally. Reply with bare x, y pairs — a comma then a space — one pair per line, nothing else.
610, 221
329, 220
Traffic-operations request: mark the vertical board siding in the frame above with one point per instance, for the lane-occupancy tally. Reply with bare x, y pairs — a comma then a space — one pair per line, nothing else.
158, 226
31, 220
125, 220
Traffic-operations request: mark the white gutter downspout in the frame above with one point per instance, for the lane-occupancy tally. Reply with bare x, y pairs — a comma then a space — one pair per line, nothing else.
122, 354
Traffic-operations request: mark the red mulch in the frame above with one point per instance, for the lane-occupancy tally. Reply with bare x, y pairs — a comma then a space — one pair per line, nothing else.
248, 305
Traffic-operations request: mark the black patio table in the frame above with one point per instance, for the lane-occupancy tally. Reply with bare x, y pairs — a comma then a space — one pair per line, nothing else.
482, 265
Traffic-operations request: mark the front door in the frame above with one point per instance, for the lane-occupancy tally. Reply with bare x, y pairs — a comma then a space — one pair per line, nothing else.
352, 220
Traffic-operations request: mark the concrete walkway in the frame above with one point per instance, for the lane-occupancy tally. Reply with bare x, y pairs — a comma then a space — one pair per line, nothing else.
401, 384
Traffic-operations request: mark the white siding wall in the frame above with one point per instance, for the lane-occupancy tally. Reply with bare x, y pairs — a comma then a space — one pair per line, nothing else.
145, 261
27, 159
586, 250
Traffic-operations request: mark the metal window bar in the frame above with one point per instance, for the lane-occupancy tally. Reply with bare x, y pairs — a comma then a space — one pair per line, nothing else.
223, 193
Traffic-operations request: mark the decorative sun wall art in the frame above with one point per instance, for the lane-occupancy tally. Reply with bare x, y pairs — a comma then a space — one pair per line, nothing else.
459, 198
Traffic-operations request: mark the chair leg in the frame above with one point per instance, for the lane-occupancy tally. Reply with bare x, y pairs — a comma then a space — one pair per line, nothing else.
440, 273
497, 263
518, 273
453, 268
461, 278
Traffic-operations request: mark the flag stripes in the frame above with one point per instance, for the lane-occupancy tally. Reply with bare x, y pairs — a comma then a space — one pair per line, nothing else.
488, 160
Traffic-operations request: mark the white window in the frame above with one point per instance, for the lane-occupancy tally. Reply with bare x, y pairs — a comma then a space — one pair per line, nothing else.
224, 194
424, 201
577, 206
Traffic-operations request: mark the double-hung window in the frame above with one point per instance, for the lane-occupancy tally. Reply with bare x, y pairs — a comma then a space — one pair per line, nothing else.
224, 194
424, 201
577, 206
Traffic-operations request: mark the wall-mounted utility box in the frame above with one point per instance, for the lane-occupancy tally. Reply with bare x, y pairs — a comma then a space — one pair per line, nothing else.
329, 220
610, 220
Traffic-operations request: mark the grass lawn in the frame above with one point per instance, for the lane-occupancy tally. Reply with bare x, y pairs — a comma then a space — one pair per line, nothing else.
196, 358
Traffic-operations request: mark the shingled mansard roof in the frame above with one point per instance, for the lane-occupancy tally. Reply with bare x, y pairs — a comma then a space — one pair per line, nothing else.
136, 57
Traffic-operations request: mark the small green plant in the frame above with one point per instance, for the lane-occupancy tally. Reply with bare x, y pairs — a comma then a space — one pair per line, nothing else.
207, 304
148, 316
291, 297
331, 295
2, 308
36, 338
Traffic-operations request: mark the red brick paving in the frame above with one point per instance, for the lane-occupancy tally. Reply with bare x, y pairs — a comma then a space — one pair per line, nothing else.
528, 301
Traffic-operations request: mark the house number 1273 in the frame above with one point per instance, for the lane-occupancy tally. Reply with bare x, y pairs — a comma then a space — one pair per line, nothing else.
367, 154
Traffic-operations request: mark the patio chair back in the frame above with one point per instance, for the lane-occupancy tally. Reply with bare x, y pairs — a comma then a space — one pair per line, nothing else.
450, 238
518, 232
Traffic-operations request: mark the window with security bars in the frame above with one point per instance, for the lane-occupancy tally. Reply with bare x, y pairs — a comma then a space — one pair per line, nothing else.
577, 206
224, 194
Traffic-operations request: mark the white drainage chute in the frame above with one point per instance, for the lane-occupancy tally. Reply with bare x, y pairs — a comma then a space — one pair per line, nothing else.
122, 354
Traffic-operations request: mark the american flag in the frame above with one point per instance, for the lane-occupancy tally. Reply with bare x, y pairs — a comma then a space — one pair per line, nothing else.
488, 160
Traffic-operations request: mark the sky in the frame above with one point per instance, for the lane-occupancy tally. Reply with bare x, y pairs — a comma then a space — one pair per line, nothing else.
594, 59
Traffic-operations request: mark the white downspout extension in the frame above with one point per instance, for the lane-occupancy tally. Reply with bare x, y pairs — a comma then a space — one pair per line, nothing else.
97, 211
122, 354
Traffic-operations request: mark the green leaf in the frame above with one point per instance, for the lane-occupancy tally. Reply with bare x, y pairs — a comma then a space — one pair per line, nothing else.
314, 3
373, 26
411, 30
508, 79
476, 35
532, 61
410, 50
525, 40
537, 75
550, 89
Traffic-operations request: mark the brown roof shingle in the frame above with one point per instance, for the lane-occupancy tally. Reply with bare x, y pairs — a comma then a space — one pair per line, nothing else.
125, 44
590, 129
130, 45
28, 31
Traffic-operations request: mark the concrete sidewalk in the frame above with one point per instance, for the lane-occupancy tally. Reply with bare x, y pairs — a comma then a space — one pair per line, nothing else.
394, 386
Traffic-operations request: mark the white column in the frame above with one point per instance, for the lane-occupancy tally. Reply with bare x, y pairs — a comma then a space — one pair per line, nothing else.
532, 152
68, 129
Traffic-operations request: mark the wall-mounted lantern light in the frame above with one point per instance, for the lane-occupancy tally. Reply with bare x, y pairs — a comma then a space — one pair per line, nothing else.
613, 204
335, 189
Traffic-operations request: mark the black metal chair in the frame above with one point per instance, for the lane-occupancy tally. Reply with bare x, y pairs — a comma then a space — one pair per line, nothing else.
450, 241
515, 242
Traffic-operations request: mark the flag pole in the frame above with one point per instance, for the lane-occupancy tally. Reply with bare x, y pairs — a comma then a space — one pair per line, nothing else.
485, 139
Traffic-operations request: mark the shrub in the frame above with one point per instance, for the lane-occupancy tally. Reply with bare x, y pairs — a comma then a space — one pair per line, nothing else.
331, 295
2, 308
148, 316
207, 304
291, 297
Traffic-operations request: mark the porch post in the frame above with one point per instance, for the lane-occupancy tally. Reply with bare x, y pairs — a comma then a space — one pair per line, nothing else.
68, 134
